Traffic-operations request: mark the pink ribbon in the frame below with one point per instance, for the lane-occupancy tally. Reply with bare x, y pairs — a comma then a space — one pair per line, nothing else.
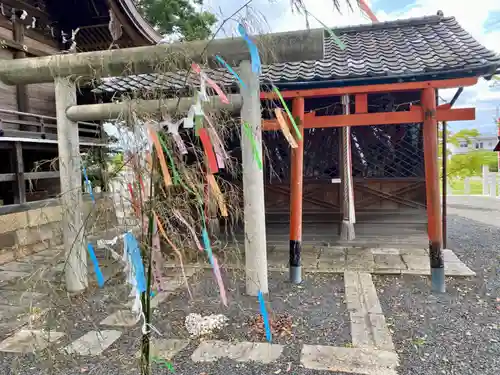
223, 98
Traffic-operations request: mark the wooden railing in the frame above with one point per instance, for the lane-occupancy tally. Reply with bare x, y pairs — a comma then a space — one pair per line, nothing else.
43, 128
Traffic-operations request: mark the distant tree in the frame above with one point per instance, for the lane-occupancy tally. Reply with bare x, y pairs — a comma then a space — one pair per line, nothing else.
178, 17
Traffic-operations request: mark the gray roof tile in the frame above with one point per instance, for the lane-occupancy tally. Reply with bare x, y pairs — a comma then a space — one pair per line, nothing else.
402, 48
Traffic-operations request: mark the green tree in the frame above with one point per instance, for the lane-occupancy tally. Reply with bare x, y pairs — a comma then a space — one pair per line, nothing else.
178, 16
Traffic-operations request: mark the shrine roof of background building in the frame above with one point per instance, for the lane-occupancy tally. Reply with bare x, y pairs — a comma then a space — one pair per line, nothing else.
428, 48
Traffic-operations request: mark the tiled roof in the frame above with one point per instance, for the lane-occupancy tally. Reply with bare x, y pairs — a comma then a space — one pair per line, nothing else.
405, 49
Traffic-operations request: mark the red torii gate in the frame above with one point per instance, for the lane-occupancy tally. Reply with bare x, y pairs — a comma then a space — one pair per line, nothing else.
428, 113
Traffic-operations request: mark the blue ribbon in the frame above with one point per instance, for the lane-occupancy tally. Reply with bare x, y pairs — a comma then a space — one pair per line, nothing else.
254, 51
265, 318
89, 184
93, 258
206, 245
135, 256
221, 60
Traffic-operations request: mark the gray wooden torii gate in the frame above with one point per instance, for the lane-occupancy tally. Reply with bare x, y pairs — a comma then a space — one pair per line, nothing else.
65, 70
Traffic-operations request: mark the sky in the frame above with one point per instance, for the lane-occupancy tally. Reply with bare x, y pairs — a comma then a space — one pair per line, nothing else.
481, 18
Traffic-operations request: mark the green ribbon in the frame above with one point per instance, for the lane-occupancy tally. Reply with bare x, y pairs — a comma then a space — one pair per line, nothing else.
170, 157
163, 363
331, 33
255, 148
297, 131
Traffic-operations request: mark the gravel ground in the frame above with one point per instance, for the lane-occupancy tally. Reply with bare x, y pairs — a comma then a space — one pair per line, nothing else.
458, 332
319, 315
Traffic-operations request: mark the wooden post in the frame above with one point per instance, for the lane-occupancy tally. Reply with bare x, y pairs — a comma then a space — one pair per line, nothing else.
71, 188
347, 232
19, 164
486, 172
432, 189
467, 185
296, 185
253, 185
21, 92
445, 183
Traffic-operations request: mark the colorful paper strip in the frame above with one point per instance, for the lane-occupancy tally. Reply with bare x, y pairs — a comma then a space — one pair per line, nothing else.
204, 77
89, 184
221, 60
254, 51
97, 270
218, 194
255, 147
161, 157
290, 116
284, 128
265, 318
337, 40
209, 151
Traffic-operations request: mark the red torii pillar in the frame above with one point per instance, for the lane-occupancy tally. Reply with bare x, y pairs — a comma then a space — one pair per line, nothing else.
296, 186
429, 104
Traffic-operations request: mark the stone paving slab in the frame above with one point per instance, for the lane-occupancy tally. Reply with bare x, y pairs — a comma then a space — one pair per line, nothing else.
212, 350
19, 267
165, 348
28, 341
121, 318
350, 360
93, 343
12, 275
368, 326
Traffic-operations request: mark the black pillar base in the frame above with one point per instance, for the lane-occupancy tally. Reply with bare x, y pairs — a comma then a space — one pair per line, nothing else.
295, 268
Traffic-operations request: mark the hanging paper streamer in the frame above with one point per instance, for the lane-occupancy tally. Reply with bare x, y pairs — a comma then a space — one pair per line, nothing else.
209, 152
204, 78
216, 140
255, 147
97, 270
154, 138
189, 120
365, 8
337, 40
290, 116
173, 129
164, 234
179, 217
170, 157
284, 128
89, 184
265, 318
217, 148
218, 194
215, 266
221, 60
254, 52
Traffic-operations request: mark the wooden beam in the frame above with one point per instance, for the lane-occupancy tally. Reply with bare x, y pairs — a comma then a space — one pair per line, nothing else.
361, 103
286, 47
385, 118
389, 87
